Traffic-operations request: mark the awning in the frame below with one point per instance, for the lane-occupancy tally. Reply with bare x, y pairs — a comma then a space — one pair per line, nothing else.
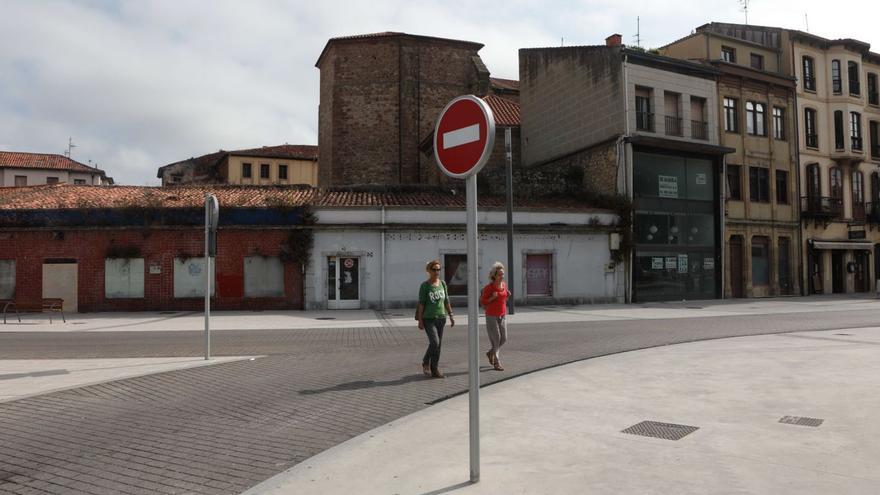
843, 245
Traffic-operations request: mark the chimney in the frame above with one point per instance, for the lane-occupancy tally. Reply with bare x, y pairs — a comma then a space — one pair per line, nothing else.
613, 40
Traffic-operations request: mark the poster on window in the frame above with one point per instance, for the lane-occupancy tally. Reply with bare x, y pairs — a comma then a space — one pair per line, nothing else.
708, 263
701, 179
670, 263
682, 263
656, 263
668, 186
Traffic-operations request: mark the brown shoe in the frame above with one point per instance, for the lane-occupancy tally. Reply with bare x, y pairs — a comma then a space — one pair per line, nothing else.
426, 369
437, 374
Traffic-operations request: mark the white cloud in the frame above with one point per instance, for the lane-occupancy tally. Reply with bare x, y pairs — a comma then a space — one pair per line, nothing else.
142, 84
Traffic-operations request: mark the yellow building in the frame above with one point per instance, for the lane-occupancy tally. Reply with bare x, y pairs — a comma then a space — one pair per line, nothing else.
270, 165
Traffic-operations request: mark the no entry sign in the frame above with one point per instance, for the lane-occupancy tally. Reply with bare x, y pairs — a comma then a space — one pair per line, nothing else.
464, 136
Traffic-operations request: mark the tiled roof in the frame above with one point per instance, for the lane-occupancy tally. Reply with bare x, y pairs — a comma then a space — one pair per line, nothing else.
290, 151
67, 196
19, 159
507, 84
506, 111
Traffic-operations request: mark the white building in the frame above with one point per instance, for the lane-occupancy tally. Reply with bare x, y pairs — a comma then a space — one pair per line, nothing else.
30, 169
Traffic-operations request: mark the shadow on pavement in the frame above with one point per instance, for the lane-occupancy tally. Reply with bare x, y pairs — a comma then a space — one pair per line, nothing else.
33, 374
361, 384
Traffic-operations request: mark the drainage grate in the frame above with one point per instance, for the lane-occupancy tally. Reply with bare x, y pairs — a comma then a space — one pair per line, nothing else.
666, 431
797, 420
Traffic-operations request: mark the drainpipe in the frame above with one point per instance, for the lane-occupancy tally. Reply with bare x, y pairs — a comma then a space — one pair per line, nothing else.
723, 237
382, 261
795, 140
627, 162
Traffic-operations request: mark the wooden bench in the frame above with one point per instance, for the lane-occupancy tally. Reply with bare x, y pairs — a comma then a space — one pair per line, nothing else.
46, 305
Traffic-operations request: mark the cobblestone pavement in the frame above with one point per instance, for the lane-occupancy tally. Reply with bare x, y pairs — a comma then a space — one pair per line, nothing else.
224, 428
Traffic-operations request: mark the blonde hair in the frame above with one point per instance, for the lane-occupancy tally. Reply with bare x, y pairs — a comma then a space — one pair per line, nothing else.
431, 265
494, 270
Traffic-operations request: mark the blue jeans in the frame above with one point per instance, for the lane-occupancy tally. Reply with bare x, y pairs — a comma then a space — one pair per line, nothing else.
434, 331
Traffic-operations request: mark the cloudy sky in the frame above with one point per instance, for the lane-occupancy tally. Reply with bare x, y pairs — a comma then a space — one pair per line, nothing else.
143, 83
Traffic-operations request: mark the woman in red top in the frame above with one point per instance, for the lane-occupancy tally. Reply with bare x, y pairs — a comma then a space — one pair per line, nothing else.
494, 299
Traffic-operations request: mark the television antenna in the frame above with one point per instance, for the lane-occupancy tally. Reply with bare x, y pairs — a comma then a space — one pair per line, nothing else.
70, 147
638, 32
745, 9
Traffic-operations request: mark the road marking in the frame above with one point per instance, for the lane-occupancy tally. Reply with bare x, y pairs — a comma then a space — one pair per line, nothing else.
461, 136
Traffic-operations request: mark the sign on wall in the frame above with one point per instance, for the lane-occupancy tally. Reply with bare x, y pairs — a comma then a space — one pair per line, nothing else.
682, 263
668, 186
189, 279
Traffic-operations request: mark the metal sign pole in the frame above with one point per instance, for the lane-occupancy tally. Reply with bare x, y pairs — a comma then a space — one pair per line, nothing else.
473, 327
510, 263
207, 276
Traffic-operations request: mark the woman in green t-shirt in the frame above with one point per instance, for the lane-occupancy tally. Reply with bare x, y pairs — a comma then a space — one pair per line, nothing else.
431, 313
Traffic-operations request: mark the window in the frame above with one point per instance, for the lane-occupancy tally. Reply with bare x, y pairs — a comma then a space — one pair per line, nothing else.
263, 276
760, 260
812, 139
734, 182
873, 95
730, 120
836, 183
644, 117
757, 61
814, 183
83, 181
858, 187
759, 184
838, 130
784, 265
51, 180
779, 123
282, 172
874, 129
264, 171
124, 278
852, 69
20, 180
755, 123
455, 273
809, 74
855, 130
782, 187
836, 83
7, 279
728, 54
246, 172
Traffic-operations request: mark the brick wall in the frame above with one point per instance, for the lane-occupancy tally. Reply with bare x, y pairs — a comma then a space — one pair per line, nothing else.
379, 100
158, 247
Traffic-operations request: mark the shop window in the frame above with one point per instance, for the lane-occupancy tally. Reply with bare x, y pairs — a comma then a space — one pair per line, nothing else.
189, 277
124, 278
7, 279
455, 269
263, 276
760, 261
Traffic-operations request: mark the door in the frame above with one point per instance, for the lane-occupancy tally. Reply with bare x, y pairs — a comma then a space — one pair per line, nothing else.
539, 275
60, 280
861, 273
837, 275
736, 267
343, 282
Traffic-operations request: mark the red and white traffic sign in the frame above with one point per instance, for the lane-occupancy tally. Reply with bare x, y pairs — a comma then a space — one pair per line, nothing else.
464, 136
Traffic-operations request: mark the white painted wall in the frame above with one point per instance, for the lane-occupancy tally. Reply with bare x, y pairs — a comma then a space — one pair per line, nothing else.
189, 277
124, 278
263, 276
36, 177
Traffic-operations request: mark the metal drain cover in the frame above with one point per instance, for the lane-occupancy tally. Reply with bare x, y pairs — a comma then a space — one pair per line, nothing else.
666, 431
800, 421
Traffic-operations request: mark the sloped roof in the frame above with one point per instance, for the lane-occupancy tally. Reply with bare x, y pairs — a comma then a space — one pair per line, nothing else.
21, 159
506, 111
283, 151
67, 196
505, 84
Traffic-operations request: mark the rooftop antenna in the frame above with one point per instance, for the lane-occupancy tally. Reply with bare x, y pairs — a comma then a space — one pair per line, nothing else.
70, 147
745, 9
638, 32
806, 22
562, 41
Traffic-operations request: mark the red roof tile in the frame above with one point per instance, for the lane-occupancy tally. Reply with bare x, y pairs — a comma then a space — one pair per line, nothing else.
20, 159
506, 111
67, 196
290, 151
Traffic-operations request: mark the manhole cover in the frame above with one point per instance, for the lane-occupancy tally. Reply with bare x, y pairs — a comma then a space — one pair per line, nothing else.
801, 421
666, 431
325, 318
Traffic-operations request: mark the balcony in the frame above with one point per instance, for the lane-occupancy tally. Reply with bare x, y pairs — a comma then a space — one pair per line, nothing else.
872, 212
699, 129
673, 126
821, 207
812, 140
645, 121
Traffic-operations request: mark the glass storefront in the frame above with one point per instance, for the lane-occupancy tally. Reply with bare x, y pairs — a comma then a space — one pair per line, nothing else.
675, 228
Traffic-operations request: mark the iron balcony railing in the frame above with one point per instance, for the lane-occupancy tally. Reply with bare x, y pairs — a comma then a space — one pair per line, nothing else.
821, 207
645, 121
699, 129
673, 126
813, 140
857, 143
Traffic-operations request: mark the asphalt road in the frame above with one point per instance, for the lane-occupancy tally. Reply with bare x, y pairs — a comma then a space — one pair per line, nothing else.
224, 428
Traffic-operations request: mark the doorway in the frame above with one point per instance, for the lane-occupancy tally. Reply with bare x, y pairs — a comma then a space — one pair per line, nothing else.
60, 280
343, 282
736, 266
837, 272
539, 275
861, 273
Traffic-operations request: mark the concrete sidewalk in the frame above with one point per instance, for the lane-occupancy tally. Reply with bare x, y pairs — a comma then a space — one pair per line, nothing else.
559, 431
365, 318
